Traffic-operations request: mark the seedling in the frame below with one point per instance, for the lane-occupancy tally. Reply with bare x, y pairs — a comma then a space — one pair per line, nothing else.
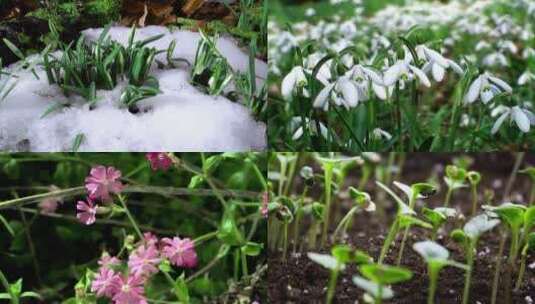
336, 262
363, 201
376, 279
308, 175
210, 69
404, 218
468, 237
415, 191
455, 177
437, 217
474, 178
6, 85
529, 246
317, 211
437, 257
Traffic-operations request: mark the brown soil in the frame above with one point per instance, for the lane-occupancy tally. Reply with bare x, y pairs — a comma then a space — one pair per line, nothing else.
299, 280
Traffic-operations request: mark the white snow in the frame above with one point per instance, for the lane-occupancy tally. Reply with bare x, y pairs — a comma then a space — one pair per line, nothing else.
181, 118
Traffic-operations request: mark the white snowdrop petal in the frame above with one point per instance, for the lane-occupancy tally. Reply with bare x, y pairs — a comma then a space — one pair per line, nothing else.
487, 95
421, 76
380, 91
501, 83
499, 122
436, 57
323, 95
438, 72
392, 74
349, 91
298, 133
473, 91
455, 67
520, 118
288, 84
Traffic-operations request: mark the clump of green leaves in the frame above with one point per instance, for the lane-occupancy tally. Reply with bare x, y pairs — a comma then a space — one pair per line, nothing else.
336, 262
14, 291
211, 70
437, 217
6, 83
376, 279
437, 257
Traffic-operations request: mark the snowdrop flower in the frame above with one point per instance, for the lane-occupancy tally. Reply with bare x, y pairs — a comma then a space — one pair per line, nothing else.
297, 128
380, 134
342, 92
403, 70
324, 73
495, 59
293, 82
180, 252
436, 63
362, 77
526, 77
522, 117
486, 86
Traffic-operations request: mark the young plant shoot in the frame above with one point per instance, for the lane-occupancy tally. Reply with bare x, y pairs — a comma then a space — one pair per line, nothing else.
377, 278
437, 217
455, 177
362, 201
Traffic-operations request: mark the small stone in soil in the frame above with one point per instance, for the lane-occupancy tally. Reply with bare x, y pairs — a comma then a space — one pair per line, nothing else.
529, 300
532, 265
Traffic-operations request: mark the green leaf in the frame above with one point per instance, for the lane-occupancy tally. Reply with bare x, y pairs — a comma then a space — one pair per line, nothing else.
4, 296
16, 288
252, 249
402, 207
384, 274
342, 253
512, 214
14, 49
211, 163
373, 288
31, 294
458, 236
195, 181
52, 108
529, 219
181, 289
407, 221
165, 266
8, 227
228, 231
325, 260
78, 140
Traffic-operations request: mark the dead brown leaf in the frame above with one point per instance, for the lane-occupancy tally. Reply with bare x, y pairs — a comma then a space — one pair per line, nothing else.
145, 12
192, 6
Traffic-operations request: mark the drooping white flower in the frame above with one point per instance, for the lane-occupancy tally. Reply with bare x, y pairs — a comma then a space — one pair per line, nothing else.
486, 86
380, 133
296, 126
324, 73
523, 118
526, 77
402, 70
293, 82
436, 63
342, 92
363, 77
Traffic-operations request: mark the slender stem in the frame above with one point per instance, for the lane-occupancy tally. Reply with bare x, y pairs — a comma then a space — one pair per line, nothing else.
351, 131
172, 283
332, 284
285, 240
205, 269
474, 199
244, 264
522, 269
402, 247
342, 223
312, 235
433, 277
448, 197
512, 177
129, 215
5, 283
398, 116
498, 268
379, 298
328, 171
389, 239
468, 275
200, 239
31, 246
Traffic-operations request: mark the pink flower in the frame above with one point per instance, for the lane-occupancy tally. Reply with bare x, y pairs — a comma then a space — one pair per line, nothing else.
88, 211
101, 181
150, 239
131, 291
106, 283
180, 252
143, 261
107, 261
159, 160
48, 205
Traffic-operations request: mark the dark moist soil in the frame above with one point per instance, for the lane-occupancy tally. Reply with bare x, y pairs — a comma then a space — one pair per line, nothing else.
299, 280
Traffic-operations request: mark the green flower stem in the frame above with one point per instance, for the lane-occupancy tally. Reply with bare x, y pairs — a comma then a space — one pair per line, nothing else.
379, 298
206, 268
172, 283
200, 239
298, 216
129, 215
343, 223
244, 264
351, 131
312, 232
398, 116
389, 239
285, 240
328, 175
412, 202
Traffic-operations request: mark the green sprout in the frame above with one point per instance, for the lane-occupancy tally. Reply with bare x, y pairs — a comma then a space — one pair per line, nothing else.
329, 165
362, 201
474, 178
529, 246
414, 192
376, 279
404, 219
307, 173
317, 211
5, 86
14, 291
211, 69
468, 237
455, 177
437, 257
437, 217
336, 262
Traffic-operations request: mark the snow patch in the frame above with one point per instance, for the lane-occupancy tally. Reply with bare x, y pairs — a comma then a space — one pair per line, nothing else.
181, 118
